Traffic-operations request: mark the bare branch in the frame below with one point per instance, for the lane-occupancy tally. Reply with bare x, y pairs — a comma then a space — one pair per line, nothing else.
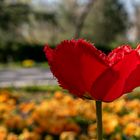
82, 18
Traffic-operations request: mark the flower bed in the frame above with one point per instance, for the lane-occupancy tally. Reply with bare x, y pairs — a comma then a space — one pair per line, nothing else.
64, 117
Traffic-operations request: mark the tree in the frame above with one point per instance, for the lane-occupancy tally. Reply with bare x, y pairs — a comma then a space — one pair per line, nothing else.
137, 22
82, 18
107, 20
17, 20
15, 15
12, 16
73, 15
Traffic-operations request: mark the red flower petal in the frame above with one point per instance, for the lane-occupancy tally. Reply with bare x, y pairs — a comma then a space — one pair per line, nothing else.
84, 70
118, 54
76, 64
49, 53
110, 84
133, 80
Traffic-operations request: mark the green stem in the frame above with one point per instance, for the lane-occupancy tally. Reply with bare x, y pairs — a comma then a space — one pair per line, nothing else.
99, 119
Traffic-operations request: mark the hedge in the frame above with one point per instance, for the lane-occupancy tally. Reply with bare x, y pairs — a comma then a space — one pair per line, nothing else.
20, 51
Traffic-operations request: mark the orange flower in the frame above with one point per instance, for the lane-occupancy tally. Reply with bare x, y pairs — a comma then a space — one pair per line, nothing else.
110, 122
26, 135
27, 107
12, 136
68, 136
132, 129
3, 133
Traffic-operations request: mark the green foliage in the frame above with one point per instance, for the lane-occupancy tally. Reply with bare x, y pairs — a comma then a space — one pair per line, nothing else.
34, 89
108, 21
21, 51
14, 16
23, 26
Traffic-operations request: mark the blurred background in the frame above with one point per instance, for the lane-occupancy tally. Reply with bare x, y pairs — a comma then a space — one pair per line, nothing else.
27, 87
26, 25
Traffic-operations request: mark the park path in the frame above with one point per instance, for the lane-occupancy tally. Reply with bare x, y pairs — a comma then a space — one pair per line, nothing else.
25, 77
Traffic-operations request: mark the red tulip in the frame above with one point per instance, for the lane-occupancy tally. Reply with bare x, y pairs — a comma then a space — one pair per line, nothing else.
87, 72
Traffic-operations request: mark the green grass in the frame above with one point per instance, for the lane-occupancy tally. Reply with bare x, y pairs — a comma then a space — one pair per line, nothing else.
10, 65
34, 93
15, 65
35, 88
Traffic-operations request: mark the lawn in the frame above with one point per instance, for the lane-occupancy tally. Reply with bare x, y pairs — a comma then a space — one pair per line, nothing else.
28, 63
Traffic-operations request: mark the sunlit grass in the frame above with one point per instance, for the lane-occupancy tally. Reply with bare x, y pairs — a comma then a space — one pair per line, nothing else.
15, 65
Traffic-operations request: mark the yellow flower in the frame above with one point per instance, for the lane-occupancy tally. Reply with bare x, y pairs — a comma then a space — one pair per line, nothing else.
27, 107
116, 137
3, 133
110, 122
58, 95
134, 105
48, 137
26, 135
131, 117
14, 122
28, 63
92, 130
132, 129
68, 136
12, 136
4, 95
115, 106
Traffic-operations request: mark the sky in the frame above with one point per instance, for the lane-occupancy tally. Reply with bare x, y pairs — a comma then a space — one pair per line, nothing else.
129, 4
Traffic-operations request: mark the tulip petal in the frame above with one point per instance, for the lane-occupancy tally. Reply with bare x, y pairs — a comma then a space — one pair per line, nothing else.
87, 72
118, 54
49, 53
133, 80
76, 64
113, 88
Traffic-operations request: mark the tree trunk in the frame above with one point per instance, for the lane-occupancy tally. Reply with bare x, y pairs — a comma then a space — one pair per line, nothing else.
82, 18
